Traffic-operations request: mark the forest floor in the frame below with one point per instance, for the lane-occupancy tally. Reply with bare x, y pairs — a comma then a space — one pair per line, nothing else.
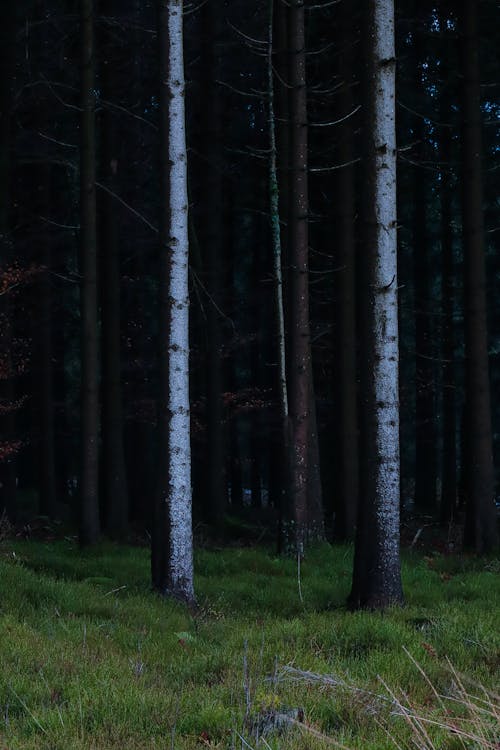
91, 659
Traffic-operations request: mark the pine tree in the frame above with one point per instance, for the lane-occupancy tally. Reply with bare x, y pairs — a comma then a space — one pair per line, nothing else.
306, 515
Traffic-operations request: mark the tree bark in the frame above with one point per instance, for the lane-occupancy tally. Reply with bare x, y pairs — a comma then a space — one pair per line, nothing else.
315, 512
172, 538
47, 456
425, 406
8, 481
481, 519
212, 241
377, 575
449, 484
45, 350
346, 499
449, 456
282, 470
300, 402
115, 486
89, 479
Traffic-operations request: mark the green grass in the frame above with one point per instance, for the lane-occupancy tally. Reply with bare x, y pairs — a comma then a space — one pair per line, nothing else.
90, 658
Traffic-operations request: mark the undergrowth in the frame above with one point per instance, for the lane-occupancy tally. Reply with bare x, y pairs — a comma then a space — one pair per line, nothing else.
90, 658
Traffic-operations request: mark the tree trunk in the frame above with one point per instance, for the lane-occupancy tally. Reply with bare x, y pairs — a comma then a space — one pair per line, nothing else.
257, 432
89, 479
47, 457
449, 458
300, 404
449, 489
282, 133
235, 471
315, 513
211, 233
172, 538
236, 477
346, 499
481, 513
377, 575
282, 470
8, 482
425, 406
115, 487
45, 372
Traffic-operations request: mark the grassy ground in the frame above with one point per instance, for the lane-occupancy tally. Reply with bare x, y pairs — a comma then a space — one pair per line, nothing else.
90, 659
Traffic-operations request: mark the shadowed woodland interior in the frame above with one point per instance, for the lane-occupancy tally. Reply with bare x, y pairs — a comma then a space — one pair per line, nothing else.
279, 108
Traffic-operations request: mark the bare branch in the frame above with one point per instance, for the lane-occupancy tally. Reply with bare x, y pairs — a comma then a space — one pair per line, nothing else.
320, 6
238, 91
424, 117
54, 140
250, 39
335, 122
57, 224
127, 206
335, 166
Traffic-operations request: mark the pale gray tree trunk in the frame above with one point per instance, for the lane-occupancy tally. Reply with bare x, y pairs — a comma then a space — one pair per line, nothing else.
279, 310
377, 575
276, 229
172, 552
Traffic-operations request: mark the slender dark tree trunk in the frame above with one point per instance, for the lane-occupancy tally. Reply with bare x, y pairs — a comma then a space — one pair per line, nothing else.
346, 486
137, 302
282, 131
8, 465
47, 457
45, 384
315, 512
7, 392
211, 235
7, 60
449, 422
300, 402
64, 449
481, 514
115, 487
236, 477
232, 364
255, 472
449, 459
425, 407
280, 487
89, 477
377, 575
257, 432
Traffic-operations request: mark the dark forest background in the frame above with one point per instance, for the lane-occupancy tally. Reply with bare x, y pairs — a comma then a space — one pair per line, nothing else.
235, 412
